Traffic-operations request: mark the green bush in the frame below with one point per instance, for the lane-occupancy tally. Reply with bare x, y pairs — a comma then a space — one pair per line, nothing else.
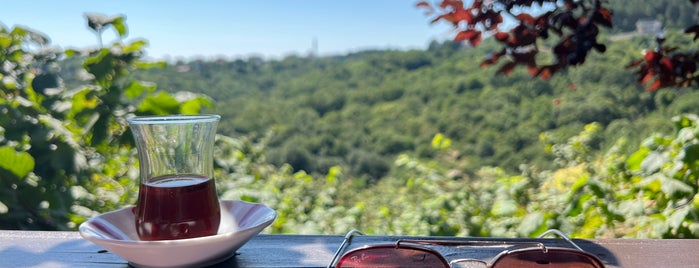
67, 154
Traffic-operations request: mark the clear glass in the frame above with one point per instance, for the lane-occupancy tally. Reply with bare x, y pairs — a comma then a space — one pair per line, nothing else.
177, 195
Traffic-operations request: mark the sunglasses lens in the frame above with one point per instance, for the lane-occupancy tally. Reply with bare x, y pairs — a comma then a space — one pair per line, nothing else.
551, 259
390, 256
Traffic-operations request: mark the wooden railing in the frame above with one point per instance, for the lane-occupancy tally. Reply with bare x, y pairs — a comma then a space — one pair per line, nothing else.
69, 249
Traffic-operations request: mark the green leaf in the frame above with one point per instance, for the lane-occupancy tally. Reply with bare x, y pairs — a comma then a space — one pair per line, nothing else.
652, 184
441, 142
678, 216
101, 65
530, 223
672, 186
504, 207
653, 162
5, 41
190, 107
684, 121
578, 184
634, 161
69, 53
18, 163
37, 37
148, 64
120, 26
98, 22
160, 104
136, 88
691, 155
193, 106
82, 100
135, 46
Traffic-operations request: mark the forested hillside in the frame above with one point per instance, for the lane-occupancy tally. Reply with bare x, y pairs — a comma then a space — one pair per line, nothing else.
362, 110
673, 14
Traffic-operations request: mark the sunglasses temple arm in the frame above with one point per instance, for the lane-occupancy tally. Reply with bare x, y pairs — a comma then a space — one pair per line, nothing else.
562, 235
345, 242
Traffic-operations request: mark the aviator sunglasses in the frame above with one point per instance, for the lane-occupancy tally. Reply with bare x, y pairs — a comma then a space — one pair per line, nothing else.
417, 253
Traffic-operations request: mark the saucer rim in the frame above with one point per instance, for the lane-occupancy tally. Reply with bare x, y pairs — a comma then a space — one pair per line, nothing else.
264, 222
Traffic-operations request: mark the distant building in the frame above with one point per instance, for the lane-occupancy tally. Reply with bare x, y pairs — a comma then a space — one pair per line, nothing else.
183, 68
649, 26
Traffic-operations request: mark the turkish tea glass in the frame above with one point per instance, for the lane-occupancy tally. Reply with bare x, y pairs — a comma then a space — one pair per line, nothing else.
177, 195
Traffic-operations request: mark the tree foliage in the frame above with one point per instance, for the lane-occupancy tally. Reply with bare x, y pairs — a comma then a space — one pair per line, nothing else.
64, 151
576, 25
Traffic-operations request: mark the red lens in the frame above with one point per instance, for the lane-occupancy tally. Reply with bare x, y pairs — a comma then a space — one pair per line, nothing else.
388, 256
552, 258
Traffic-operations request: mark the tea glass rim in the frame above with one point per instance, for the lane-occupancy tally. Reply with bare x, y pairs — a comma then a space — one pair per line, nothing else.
173, 119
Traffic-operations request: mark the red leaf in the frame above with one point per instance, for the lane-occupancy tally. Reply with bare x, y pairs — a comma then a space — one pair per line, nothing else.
454, 4
524, 17
423, 4
646, 78
493, 58
666, 63
652, 56
502, 36
447, 17
532, 70
429, 10
507, 68
521, 36
464, 35
476, 40
546, 72
462, 15
473, 36
487, 62
655, 86
604, 17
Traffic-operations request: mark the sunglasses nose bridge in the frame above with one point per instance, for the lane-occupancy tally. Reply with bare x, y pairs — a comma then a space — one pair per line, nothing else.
468, 263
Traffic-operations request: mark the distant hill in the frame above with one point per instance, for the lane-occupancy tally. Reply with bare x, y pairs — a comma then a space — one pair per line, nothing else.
673, 14
362, 109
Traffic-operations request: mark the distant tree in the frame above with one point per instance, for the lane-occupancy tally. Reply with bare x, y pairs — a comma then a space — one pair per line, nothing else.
576, 25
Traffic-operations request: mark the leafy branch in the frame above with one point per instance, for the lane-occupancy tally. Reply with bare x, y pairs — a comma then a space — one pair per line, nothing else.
575, 25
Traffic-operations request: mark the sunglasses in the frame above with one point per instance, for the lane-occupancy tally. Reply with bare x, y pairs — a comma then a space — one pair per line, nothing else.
419, 253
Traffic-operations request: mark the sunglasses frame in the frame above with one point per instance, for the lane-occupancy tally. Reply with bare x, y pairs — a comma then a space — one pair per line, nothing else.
421, 245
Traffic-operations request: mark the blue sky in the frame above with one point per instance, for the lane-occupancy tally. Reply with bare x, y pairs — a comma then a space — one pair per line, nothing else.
236, 28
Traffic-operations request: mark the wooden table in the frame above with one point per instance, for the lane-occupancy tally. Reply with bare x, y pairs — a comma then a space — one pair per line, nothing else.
68, 249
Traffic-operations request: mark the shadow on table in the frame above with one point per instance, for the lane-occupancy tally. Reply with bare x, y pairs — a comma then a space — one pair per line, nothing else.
296, 251
70, 253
